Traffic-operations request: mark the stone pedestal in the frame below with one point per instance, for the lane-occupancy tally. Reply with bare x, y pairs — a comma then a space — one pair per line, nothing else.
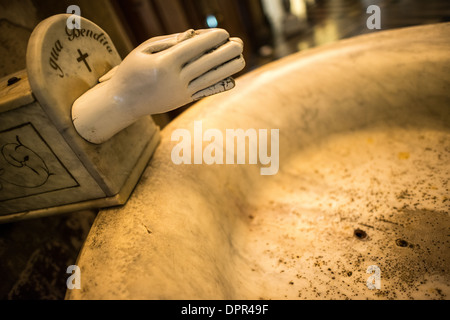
45, 166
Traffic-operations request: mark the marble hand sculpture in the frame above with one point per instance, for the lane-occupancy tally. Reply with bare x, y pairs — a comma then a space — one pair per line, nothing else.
160, 75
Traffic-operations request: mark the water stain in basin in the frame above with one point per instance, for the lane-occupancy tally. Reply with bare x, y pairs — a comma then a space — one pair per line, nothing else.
403, 155
310, 226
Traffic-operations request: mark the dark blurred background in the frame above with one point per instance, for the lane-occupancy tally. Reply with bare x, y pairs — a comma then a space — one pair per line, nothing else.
272, 29
35, 254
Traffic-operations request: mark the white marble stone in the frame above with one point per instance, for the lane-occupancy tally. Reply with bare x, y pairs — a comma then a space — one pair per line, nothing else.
45, 166
38, 168
160, 75
70, 62
363, 180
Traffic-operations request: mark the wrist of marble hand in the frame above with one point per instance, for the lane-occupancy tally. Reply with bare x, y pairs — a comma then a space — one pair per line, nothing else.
160, 75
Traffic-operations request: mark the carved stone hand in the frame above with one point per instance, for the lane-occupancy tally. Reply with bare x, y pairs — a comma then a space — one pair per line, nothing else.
160, 75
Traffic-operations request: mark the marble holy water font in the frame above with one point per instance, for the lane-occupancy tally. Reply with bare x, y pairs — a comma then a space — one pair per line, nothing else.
75, 126
362, 186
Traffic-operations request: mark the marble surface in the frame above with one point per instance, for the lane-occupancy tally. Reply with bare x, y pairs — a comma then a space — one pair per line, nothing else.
16, 94
45, 166
39, 169
363, 181
160, 75
71, 62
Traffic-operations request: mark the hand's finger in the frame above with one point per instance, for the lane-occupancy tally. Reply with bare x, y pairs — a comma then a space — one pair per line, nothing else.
160, 46
201, 31
144, 45
198, 45
186, 35
205, 63
238, 40
215, 75
161, 43
221, 86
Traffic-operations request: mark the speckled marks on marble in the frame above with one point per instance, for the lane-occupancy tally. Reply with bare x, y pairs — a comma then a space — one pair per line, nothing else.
378, 217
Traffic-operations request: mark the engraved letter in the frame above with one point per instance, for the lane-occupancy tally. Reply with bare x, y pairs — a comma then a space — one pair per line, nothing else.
55, 66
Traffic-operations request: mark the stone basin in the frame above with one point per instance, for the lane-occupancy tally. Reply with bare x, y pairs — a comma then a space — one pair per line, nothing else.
363, 180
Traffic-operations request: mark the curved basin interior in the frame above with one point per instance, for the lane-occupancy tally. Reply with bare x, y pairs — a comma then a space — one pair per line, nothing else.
364, 153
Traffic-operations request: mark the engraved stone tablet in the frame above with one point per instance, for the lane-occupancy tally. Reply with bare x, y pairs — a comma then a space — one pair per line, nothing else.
29, 165
45, 166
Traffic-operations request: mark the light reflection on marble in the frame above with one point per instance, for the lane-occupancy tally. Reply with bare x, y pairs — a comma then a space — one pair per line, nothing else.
363, 180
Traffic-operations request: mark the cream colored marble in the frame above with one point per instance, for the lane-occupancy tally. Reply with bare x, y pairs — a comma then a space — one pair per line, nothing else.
62, 65
14, 96
45, 166
363, 180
